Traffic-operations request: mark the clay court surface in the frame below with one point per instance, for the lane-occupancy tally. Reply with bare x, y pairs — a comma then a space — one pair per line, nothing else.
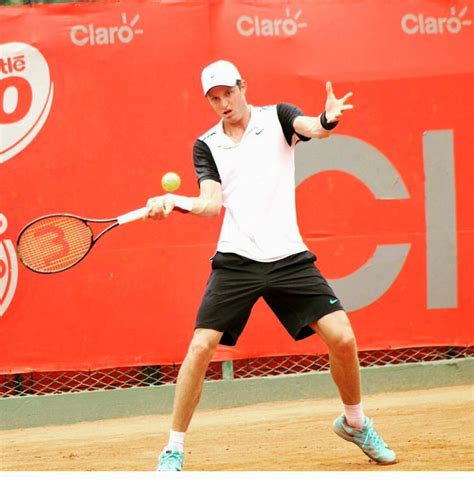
431, 430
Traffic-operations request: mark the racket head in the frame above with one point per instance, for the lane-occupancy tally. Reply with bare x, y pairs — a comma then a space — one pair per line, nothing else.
54, 243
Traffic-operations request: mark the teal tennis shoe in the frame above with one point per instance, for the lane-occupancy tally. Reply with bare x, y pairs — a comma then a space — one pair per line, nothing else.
367, 439
171, 460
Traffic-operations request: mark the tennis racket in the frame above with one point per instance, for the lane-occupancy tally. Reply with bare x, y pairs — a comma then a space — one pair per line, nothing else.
56, 242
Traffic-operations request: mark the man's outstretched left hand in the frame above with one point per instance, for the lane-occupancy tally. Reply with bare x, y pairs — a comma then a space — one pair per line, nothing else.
335, 107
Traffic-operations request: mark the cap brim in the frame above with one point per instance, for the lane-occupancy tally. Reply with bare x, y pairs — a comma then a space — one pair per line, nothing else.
219, 84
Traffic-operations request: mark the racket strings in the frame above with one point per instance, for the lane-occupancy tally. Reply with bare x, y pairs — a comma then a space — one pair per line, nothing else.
54, 243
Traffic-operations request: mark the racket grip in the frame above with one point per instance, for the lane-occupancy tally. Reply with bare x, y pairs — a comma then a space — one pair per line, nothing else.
132, 216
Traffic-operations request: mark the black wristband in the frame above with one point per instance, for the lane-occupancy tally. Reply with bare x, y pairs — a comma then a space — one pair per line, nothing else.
324, 122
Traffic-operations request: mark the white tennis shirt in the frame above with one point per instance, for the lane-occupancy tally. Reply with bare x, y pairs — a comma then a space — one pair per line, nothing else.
258, 183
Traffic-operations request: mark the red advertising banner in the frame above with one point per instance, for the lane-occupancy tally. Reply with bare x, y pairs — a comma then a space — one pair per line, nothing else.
98, 101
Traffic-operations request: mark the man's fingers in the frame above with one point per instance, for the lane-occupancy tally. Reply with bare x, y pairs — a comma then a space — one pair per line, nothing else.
346, 97
158, 208
167, 208
329, 90
347, 107
153, 201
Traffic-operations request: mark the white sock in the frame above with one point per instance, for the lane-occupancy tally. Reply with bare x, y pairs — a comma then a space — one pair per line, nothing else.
354, 415
176, 440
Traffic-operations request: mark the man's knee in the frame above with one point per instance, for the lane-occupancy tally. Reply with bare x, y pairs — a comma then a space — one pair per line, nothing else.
344, 342
336, 331
203, 344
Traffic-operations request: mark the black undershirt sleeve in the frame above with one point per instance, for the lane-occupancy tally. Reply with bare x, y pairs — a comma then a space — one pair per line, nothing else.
204, 163
286, 115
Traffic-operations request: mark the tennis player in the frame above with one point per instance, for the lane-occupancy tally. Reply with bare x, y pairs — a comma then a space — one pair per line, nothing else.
245, 163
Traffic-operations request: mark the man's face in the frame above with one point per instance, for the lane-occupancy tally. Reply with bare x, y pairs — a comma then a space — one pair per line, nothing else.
229, 102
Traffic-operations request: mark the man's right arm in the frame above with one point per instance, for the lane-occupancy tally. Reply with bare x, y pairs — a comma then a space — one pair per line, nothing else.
209, 202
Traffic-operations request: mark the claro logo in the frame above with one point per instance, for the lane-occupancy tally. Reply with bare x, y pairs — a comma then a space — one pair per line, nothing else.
421, 24
249, 26
99, 35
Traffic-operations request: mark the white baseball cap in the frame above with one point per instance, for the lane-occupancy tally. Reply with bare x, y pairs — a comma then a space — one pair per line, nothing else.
221, 72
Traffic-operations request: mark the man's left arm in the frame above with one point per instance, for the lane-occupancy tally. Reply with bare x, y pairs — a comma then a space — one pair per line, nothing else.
321, 126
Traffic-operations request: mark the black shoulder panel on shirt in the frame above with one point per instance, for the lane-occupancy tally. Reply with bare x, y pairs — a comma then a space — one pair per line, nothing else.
286, 115
204, 163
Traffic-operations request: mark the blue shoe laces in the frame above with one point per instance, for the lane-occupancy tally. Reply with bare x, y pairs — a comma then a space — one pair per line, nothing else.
171, 459
372, 439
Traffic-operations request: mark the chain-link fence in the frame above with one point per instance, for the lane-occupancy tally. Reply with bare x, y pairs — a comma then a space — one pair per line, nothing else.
40, 383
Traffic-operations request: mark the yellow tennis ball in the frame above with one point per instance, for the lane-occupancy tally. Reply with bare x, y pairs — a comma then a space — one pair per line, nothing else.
170, 181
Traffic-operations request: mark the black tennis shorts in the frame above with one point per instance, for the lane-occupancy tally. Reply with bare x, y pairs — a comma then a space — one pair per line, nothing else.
292, 287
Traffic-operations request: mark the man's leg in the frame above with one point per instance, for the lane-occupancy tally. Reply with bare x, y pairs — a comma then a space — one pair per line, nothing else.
336, 331
191, 377
187, 395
